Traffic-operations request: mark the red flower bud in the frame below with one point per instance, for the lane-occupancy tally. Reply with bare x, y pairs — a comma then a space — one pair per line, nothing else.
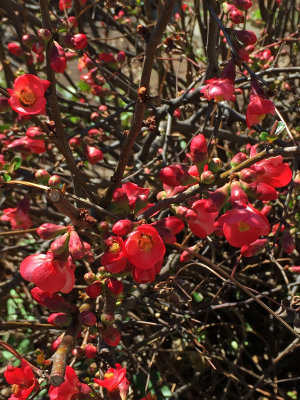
58, 60
79, 41
114, 286
90, 351
123, 227
35, 132
93, 154
75, 143
88, 318
15, 49
54, 182
237, 193
59, 319
121, 57
198, 149
246, 37
56, 343
94, 289
288, 243
207, 177
111, 336
238, 158
49, 231
42, 176
89, 277
28, 40
254, 248
44, 34
60, 245
76, 247
38, 47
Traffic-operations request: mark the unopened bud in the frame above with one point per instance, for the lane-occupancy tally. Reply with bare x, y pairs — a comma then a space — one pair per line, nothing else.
54, 182
42, 176
207, 177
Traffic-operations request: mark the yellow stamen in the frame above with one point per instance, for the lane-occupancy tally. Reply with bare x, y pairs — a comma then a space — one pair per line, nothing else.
27, 97
243, 226
114, 248
109, 375
145, 242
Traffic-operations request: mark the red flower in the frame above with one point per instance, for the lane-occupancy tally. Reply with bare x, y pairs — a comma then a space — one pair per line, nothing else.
134, 192
146, 275
257, 110
114, 257
18, 217
144, 247
168, 227
27, 96
221, 88
202, 221
79, 41
22, 379
243, 225
64, 4
115, 379
69, 388
47, 273
258, 106
93, 154
58, 59
275, 173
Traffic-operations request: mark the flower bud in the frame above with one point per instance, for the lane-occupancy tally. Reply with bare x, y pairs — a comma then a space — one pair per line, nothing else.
215, 164
76, 248
89, 277
254, 248
217, 199
42, 176
56, 343
123, 227
49, 231
90, 351
237, 193
114, 286
246, 37
185, 256
111, 336
60, 244
78, 352
103, 226
75, 143
88, 318
247, 175
35, 132
38, 47
54, 182
44, 34
198, 149
93, 154
59, 319
79, 41
207, 177
58, 60
94, 289
288, 243
28, 40
238, 159
15, 49
121, 57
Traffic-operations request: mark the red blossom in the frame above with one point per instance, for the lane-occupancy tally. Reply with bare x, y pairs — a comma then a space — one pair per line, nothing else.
18, 217
58, 60
114, 258
27, 96
147, 275
144, 247
111, 336
258, 106
201, 221
22, 380
221, 88
275, 173
47, 273
28, 145
168, 227
243, 225
71, 387
114, 379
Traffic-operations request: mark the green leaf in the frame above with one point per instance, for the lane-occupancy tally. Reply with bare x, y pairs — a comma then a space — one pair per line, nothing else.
166, 391
266, 137
280, 127
17, 162
6, 178
83, 86
198, 297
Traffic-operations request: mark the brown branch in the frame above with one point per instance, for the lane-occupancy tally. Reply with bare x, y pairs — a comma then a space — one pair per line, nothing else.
211, 47
61, 138
57, 375
140, 107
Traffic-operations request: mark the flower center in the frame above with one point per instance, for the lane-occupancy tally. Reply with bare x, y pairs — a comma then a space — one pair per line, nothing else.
15, 389
27, 97
114, 248
243, 226
109, 375
145, 242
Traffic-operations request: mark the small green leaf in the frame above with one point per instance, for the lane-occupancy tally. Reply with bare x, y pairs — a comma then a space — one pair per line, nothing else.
166, 391
280, 127
17, 162
6, 178
198, 297
263, 136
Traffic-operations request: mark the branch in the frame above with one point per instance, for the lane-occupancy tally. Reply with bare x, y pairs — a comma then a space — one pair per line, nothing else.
57, 375
140, 107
